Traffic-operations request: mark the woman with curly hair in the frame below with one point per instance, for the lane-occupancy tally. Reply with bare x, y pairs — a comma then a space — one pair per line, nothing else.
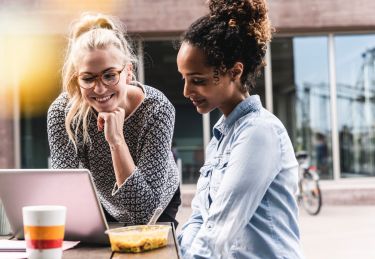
114, 126
244, 206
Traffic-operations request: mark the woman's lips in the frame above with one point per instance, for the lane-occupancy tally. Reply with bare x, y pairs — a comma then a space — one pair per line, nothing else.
197, 102
103, 99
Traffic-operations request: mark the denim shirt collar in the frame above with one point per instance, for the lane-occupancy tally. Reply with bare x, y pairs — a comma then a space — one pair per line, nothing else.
250, 104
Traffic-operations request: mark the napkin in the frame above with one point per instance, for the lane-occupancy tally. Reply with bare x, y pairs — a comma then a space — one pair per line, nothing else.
13, 249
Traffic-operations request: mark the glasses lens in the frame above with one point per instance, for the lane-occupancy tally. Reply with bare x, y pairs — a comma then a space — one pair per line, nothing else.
110, 78
86, 81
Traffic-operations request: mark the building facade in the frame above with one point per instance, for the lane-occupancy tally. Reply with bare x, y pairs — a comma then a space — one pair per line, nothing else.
320, 77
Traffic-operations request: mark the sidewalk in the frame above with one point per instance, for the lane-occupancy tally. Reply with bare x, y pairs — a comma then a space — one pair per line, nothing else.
339, 232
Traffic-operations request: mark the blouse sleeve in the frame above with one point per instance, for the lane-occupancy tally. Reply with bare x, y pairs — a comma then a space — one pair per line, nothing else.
63, 154
142, 190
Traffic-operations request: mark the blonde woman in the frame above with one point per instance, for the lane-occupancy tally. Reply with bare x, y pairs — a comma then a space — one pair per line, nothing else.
112, 125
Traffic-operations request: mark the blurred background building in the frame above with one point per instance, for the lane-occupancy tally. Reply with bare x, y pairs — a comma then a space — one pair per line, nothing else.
320, 78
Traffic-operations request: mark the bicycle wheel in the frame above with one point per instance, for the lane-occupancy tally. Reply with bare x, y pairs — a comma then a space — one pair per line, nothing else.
311, 195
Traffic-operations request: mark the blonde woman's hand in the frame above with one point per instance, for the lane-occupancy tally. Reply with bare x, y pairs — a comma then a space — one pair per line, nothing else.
112, 123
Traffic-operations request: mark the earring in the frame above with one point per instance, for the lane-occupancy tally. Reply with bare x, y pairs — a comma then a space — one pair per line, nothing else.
216, 77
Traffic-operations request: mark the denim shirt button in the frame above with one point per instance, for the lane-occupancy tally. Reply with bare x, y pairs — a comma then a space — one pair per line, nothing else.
209, 225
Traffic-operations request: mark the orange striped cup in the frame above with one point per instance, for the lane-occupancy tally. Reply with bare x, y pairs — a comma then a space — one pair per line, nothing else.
44, 231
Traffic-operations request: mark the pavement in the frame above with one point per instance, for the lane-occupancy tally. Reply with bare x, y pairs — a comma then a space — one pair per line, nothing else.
338, 232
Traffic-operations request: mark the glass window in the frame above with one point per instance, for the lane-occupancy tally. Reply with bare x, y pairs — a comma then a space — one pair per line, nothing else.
301, 96
161, 72
355, 57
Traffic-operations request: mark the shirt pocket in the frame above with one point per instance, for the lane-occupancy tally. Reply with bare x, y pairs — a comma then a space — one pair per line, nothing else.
204, 178
218, 175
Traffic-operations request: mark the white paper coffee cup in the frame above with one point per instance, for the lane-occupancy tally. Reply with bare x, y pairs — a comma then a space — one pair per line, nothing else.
44, 228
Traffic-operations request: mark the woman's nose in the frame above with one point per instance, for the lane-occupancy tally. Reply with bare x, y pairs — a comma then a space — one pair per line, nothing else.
187, 90
100, 87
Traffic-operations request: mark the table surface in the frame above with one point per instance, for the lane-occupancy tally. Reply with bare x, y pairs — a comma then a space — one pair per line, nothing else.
171, 251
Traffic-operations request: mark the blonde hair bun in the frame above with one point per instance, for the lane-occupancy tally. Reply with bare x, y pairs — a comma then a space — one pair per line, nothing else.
88, 22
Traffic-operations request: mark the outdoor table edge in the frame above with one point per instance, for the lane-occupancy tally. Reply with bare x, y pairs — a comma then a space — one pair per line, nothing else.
175, 241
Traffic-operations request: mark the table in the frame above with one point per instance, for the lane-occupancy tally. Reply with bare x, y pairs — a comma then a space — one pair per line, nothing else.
171, 251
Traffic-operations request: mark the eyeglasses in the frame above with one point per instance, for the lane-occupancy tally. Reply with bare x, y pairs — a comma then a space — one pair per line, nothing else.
108, 78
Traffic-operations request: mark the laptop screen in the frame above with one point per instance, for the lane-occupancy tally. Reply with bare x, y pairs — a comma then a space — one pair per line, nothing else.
72, 188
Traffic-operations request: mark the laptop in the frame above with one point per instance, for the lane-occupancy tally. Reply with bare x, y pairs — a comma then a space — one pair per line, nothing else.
73, 188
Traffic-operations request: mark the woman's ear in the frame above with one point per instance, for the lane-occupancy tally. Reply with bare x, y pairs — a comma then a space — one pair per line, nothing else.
129, 73
236, 71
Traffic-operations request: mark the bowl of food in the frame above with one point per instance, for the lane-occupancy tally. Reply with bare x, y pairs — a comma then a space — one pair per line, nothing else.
136, 239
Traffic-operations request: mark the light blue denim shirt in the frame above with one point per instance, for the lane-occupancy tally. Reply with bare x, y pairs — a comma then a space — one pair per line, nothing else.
245, 203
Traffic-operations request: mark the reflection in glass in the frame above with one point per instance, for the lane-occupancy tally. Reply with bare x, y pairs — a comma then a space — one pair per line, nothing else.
355, 57
301, 96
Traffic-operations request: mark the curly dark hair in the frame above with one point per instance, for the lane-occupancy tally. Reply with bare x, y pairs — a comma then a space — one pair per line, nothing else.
233, 31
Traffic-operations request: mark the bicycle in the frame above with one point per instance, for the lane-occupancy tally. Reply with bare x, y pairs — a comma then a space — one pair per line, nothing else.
309, 193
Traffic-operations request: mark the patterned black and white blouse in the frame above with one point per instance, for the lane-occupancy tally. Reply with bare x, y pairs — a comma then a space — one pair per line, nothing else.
148, 133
